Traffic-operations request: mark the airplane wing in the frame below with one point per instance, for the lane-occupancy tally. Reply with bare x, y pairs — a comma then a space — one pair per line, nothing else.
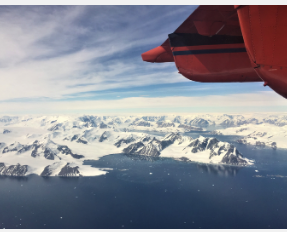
207, 47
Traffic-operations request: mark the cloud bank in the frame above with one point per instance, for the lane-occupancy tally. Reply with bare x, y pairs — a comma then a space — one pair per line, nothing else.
262, 101
58, 51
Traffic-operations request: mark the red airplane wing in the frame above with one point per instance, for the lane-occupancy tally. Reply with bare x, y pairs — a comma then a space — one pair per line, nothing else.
205, 20
207, 47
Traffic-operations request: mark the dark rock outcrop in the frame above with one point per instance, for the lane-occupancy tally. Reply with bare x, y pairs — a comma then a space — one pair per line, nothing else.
9, 119
104, 136
170, 139
242, 141
67, 171
82, 140
141, 123
90, 121
145, 139
12, 147
49, 154
275, 120
5, 131
215, 132
124, 141
258, 144
48, 149
190, 128
177, 119
56, 127
231, 123
274, 145
13, 170
151, 149
24, 149
199, 122
133, 148
74, 138
103, 125
67, 151
47, 171
165, 124
150, 118
36, 146
233, 157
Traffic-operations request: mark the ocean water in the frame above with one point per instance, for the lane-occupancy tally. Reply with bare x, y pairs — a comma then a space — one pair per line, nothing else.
154, 193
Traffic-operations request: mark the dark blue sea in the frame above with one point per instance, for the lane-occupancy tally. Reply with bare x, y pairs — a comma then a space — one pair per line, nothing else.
154, 193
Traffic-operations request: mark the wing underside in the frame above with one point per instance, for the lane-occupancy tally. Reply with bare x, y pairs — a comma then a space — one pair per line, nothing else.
207, 47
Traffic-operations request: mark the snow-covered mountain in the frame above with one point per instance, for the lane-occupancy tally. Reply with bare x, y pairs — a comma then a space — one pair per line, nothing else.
205, 150
259, 135
58, 145
195, 121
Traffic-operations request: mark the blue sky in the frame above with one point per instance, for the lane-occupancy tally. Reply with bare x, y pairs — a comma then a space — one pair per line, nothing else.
87, 59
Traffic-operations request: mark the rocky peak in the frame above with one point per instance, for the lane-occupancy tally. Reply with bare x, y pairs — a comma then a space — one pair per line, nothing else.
133, 148
170, 139
145, 138
190, 128
141, 123
165, 124
230, 155
105, 136
103, 125
5, 131
67, 151
69, 170
122, 141
56, 127
153, 147
200, 122
74, 138
13, 170
82, 140
155, 143
12, 147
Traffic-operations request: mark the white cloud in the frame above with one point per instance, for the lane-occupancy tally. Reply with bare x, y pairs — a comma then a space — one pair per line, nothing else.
265, 100
49, 52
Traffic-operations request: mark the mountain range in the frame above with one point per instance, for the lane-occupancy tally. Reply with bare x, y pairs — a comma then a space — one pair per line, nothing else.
58, 145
